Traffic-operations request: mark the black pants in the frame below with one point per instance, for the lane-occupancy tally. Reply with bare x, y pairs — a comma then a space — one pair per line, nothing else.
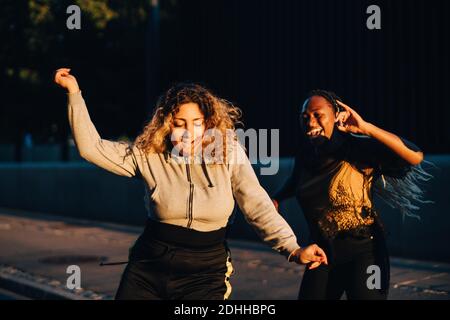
349, 271
171, 262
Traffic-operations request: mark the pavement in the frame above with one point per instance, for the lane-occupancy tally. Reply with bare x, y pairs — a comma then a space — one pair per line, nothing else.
37, 248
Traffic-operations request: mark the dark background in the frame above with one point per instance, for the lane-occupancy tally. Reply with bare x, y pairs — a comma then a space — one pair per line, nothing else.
262, 55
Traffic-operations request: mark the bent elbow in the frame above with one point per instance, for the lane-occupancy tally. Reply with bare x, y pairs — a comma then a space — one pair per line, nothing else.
85, 153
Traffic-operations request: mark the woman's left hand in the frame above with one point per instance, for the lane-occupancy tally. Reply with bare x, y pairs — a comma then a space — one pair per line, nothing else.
350, 121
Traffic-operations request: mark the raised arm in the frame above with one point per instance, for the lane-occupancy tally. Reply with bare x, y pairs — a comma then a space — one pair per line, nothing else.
115, 157
353, 122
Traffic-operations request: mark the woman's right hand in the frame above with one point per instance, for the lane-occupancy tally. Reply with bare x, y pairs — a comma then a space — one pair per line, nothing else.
311, 255
65, 80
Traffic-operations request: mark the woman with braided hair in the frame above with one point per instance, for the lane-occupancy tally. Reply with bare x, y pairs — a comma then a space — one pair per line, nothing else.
341, 161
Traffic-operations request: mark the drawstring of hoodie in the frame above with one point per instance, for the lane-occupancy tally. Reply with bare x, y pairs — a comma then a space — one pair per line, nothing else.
205, 168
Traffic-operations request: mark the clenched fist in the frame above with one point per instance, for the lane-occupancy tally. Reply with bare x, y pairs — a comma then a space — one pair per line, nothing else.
311, 255
65, 80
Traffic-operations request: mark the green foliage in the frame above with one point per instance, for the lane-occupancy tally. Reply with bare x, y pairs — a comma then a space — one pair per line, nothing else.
35, 41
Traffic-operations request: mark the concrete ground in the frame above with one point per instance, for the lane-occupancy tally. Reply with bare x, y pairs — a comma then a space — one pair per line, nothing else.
36, 249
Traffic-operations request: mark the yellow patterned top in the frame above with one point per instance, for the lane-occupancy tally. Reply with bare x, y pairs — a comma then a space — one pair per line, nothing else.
339, 199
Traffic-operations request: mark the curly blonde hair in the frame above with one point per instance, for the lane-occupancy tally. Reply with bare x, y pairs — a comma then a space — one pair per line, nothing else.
219, 114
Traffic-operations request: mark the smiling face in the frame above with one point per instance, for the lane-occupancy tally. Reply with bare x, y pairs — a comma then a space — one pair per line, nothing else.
317, 119
187, 128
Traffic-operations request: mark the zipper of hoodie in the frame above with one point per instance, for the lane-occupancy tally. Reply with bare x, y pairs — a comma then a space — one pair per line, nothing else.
191, 195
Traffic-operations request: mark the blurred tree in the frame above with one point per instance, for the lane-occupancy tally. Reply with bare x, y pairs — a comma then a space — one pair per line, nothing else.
107, 55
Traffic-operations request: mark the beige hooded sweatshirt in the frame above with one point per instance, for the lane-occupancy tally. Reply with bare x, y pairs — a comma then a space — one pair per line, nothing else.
197, 196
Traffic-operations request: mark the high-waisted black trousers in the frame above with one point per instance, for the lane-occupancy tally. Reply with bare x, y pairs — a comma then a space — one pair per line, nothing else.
357, 266
172, 262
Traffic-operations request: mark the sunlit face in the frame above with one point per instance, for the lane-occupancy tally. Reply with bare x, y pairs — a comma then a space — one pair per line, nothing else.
187, 128
317, 119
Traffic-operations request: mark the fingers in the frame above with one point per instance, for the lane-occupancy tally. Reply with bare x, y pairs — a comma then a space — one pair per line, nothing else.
314, 258
65, 80
310, 254
61, 74
65, 74
317, 255
342, 128
348, 111
322, 254
313, 265
343, 120
342, 117
346, 107
62, 71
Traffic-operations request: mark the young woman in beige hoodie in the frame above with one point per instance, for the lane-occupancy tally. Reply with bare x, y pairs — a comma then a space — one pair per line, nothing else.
194, 169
